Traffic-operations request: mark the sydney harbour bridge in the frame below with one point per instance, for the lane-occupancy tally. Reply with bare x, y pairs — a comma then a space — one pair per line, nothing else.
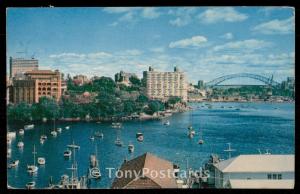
265, 80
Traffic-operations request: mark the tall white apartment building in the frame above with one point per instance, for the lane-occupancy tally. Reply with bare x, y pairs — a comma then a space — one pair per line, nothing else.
162, 85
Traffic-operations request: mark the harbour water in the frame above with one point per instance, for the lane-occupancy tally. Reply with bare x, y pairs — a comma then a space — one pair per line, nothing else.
247, 126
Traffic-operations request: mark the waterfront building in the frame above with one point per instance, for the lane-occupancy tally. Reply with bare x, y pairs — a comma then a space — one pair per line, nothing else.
80, 80
146, 180
37, 83
21, 65
162, 85
255, 171
124, 78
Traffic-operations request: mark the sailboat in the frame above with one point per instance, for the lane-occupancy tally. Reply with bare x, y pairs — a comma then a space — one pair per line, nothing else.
73, 145
191, 131
130, 147
32, 168
53, 132
94, 171
201, 141
118, 141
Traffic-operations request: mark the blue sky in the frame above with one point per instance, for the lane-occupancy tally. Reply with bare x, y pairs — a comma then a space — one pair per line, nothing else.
205, 42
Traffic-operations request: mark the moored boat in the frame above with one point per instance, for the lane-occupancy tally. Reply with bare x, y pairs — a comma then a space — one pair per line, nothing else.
20, 144
140, 137
13, 164
130, 147
27, 127
67, 153
21, 132
41, 161
59, 130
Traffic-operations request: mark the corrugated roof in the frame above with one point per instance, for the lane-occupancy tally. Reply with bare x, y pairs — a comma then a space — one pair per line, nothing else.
151, 162
261, 184
258, 163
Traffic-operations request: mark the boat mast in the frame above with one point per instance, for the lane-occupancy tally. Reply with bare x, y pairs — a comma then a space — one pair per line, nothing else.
229, 150
34, 154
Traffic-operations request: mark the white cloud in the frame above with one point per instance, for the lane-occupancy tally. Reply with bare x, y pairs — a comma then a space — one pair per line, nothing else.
158, 49
195, 41
276, 26
118, 9
64, 55
150, 13
183, 16
227, 36
227, 14
98, 55
245, 45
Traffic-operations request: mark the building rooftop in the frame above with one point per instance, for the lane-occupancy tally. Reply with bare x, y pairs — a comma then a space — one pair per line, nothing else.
261, 184
258, 163
153, 163
40, 72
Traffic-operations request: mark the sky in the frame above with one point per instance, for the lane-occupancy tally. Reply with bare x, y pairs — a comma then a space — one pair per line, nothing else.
204, 42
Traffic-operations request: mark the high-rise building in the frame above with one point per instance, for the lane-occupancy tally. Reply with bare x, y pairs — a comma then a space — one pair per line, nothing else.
20, 65
163, 85
200, 84
36, 84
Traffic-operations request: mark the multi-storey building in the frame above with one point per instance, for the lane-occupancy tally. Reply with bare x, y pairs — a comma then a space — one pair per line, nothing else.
20, 65
36, 84
163, 85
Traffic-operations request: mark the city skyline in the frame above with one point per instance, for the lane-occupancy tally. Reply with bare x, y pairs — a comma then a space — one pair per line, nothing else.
205, 42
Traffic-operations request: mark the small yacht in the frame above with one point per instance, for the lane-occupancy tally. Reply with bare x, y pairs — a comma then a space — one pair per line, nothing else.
191, 132
92, 138
54, 133
13, 164
41, 161
20, 144
140, 137
67, 127
32, 168
201, 141
30, 185
116, 125
42, 141
167, 123
130, 147
59, 130
27, 127
21, 132
99, 134
44, 137
118, 142
67, 153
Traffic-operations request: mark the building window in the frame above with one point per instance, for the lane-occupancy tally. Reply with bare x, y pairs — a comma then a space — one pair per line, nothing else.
269, 176
274, 176
279, 176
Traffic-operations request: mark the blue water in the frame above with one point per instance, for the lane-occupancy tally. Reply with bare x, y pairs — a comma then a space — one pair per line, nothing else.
255, 126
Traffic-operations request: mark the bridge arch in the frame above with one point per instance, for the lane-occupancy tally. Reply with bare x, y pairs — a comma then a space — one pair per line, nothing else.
267, 81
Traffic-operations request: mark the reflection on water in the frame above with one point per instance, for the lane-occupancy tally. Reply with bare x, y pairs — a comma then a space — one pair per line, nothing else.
253, 126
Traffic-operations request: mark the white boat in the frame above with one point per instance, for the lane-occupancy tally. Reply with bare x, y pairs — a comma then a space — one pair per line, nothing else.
26, 127
30, 185
67, 153
44, 119
99, 134
140, 137
44, 137
42, 141
118, 142
116, 125
130, 147
92, 138
8, 153
59, 130
54, 133
191, 132
67, 127
13, 164
32, 168
20, 144
167, 123
41, 161
201, 141
21, 132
